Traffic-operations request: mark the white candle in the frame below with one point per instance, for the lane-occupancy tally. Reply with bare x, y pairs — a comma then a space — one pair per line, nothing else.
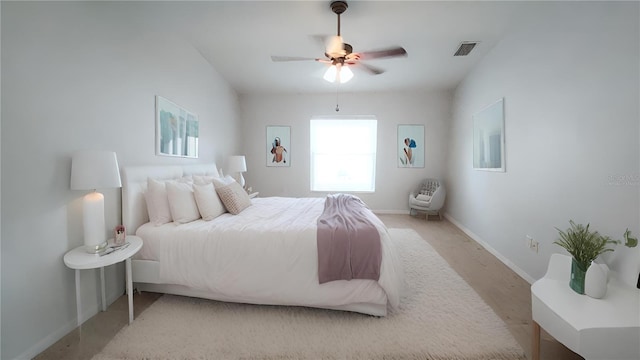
93, 220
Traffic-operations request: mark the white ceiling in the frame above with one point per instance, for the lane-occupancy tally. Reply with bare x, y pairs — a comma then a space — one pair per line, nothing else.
239, 37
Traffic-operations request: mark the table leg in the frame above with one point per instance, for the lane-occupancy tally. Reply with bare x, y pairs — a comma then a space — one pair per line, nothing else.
78, 303
104, 299
535, 341
129, 289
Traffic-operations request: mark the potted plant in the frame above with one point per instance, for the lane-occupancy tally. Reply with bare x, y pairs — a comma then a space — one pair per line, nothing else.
585, 246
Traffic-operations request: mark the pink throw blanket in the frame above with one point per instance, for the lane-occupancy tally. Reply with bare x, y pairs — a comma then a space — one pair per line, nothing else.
348, 241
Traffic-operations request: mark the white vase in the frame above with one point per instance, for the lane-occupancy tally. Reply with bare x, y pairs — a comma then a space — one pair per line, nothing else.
595, 281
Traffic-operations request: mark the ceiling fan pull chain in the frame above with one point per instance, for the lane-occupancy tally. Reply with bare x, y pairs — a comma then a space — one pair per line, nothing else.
337, 106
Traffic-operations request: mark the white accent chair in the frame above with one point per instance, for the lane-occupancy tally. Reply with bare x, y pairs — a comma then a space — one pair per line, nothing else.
428, 198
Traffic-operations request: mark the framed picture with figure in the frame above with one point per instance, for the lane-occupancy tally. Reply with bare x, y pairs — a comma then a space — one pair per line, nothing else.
411, 146
278, 147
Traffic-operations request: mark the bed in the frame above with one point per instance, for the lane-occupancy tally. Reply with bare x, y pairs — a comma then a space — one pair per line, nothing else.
266, 254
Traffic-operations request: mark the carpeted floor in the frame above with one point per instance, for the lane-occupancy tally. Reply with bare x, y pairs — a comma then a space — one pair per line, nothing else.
440, 317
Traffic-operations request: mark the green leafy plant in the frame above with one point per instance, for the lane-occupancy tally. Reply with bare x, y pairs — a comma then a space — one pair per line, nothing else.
628, 240
586, 245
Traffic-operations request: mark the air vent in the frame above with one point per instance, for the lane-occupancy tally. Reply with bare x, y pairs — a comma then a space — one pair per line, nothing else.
465, 48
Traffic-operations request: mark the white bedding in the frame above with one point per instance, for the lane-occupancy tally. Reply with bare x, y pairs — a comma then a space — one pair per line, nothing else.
265, 255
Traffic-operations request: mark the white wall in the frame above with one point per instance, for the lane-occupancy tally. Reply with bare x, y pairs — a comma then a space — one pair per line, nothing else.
0, 188
570, 79
393, 184
83, 76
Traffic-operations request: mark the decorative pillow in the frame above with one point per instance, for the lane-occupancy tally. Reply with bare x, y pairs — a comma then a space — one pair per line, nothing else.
182, 202
423, 197
157, 202
233, 196
208, 201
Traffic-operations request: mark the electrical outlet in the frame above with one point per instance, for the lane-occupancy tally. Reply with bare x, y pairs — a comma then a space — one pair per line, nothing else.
532, 244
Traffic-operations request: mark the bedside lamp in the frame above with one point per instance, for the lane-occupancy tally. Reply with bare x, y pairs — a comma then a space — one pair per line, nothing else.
91, 170
237, 164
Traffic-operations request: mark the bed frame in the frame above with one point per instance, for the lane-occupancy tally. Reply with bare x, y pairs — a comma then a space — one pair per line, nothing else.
146, 273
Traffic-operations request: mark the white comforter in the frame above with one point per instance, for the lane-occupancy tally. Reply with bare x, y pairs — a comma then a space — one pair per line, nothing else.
266, 255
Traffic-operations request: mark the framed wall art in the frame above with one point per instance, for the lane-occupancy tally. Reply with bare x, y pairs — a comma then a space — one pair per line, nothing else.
278, 149
176, 130
411, 146
488, 138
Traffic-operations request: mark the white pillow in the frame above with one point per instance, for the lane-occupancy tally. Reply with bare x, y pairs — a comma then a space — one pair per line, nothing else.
203, 179
157, 202
423, 197
224, 181
185, 179
233, 196
182, 202
208, 201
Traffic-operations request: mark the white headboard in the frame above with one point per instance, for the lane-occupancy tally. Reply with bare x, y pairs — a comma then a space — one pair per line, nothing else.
134, 184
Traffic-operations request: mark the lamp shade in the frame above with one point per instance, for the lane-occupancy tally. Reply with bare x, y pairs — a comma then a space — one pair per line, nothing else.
345, 74
237, 163
331, 74
339, 73
92, 170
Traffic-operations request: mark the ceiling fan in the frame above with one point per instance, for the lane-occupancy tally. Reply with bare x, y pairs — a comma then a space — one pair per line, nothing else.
340, 56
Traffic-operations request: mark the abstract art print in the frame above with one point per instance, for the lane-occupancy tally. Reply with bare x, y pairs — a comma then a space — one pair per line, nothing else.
278, 147
176, 130
411, 146
488, 138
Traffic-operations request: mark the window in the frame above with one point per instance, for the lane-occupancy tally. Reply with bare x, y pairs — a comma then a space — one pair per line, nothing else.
343, 154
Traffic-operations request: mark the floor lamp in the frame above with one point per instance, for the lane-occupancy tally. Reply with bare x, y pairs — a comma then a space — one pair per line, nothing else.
91, 170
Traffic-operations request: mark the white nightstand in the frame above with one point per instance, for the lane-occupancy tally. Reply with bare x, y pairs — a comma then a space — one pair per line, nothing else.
253, 195
80, 259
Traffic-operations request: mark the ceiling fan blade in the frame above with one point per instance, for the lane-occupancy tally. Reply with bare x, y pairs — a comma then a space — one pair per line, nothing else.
292, 58
386, 53
321, 40
370, 69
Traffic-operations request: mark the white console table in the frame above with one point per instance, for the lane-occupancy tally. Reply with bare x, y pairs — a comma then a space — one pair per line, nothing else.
596, 329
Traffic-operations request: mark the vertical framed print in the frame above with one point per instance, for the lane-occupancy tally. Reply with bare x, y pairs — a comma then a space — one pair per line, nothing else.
488, 138
411, 146
176, 130
278, 147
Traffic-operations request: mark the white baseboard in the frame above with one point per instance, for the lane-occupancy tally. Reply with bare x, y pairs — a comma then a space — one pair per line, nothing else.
490, 249
52, 338
391, 212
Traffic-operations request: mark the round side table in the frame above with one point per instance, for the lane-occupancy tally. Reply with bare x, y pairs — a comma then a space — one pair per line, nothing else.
80, 259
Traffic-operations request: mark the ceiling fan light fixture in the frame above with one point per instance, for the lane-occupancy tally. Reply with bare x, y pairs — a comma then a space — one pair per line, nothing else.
339, 73
331, 74
345, 74
339, 54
